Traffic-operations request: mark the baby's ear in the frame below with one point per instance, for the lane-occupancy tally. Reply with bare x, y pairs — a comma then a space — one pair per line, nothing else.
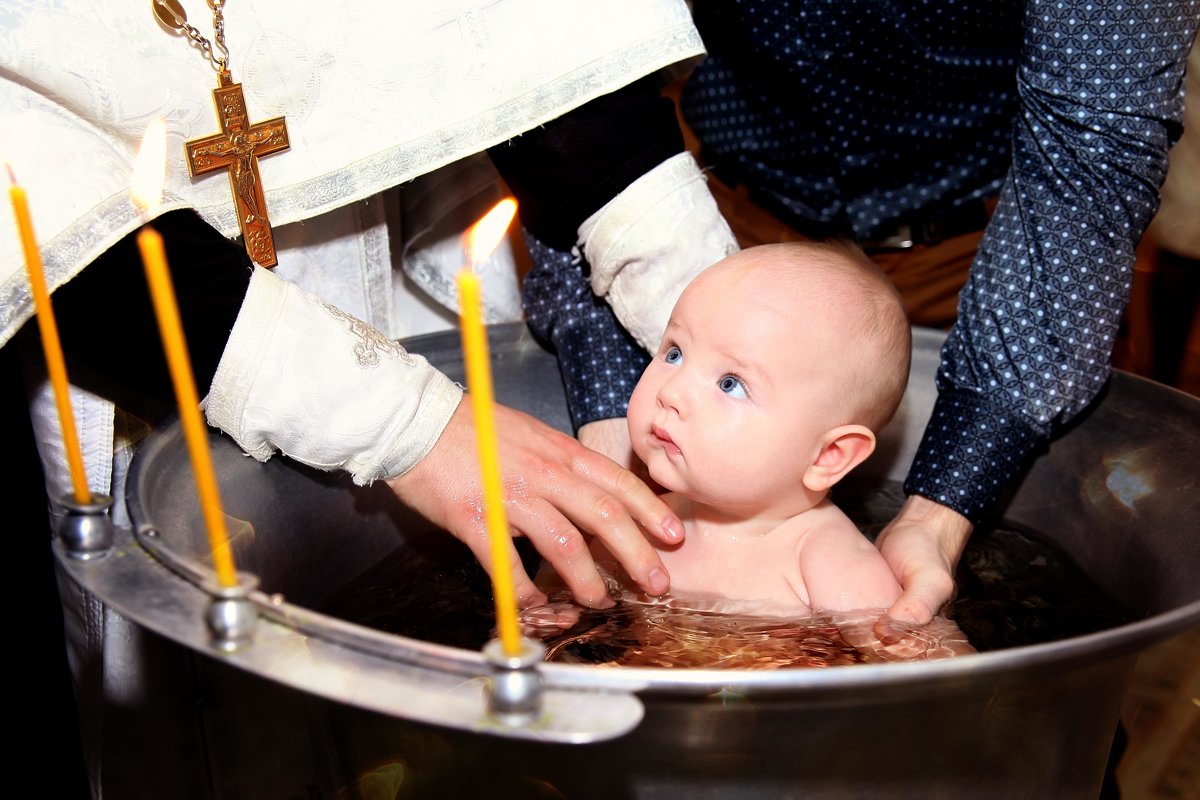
843, 449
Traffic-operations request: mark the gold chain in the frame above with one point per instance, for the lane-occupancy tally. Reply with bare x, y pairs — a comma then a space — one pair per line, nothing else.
171, 14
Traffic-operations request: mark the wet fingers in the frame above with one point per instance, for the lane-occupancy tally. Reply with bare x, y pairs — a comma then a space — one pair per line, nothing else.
637, 500
565, 549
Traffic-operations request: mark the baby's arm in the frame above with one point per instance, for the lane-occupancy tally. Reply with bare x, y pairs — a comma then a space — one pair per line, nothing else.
843, 571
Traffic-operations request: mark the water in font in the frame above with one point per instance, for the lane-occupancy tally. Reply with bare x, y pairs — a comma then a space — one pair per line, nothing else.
1013, 588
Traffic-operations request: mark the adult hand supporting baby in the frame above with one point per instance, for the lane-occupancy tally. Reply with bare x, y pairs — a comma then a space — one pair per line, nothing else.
922, 545
555, 490
610, 437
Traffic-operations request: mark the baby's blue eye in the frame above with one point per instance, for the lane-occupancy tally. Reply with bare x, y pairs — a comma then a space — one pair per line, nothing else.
673, 355
732, 385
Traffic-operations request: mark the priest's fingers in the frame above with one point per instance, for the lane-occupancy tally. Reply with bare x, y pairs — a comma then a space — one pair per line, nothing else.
633, 494
479, 541
563, 547
593, 492
539, 464
595, 511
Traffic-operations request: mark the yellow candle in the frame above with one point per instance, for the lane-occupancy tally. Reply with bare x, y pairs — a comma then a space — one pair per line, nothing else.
51, 345
479, 382
481, 239
147, 190
154, 259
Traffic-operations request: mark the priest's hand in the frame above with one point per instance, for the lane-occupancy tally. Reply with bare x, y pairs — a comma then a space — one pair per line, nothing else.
610, 437
922, 545
556, 490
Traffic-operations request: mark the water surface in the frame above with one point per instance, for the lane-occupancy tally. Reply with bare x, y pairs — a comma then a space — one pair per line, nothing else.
1015, 588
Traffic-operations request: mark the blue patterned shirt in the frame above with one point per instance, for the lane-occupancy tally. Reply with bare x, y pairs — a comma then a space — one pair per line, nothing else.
857, 113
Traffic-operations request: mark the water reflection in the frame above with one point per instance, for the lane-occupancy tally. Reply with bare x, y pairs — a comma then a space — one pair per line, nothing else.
644, 632
1014, 588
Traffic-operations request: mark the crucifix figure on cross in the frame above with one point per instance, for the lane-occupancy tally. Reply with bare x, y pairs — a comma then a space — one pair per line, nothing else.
237, 149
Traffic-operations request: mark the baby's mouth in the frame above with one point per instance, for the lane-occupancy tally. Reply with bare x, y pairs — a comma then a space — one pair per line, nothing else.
663, 439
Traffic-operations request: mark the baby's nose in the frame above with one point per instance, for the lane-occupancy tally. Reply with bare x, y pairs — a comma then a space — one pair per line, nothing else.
672, 395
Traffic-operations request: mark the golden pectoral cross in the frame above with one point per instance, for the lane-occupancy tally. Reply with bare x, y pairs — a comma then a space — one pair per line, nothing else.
237, 148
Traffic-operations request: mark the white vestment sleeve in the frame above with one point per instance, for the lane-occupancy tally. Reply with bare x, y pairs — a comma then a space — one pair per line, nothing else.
300, 377
648, 242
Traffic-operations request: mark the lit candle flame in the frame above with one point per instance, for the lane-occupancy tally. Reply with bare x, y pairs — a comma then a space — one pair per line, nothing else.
149, 167
485, 234
481, 240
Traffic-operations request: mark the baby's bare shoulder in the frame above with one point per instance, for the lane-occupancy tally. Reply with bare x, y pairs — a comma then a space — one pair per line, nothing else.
824, 527
843, 569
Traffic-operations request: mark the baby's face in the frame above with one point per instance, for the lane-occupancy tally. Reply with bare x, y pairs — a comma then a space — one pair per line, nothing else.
734, 405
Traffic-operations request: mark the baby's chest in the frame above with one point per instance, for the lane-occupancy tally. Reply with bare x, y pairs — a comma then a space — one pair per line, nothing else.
742, 570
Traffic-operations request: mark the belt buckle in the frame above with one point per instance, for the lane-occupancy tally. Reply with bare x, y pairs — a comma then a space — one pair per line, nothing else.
901, 239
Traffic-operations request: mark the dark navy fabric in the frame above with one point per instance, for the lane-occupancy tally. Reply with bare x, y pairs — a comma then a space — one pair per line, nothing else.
600, 361
855, 115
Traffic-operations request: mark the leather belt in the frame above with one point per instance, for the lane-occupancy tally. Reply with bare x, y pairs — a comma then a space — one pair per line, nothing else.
932, 228
925, 228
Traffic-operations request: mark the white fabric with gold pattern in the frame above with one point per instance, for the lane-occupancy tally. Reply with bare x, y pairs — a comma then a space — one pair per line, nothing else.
300, 377
374, 95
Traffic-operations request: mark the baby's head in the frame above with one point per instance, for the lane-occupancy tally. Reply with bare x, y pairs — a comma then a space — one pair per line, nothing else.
779, 365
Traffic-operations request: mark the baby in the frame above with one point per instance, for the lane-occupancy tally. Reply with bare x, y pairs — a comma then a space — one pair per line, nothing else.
778, 367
